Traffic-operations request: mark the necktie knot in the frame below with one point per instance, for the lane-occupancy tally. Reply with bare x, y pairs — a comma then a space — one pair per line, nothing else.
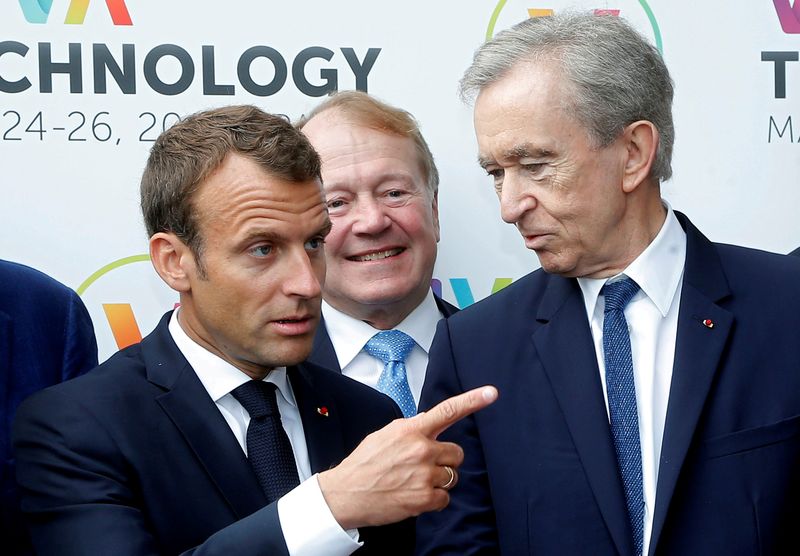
618, 294
390, 345
258, 398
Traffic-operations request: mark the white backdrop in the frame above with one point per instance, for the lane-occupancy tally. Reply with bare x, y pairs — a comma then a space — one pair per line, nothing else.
71, 154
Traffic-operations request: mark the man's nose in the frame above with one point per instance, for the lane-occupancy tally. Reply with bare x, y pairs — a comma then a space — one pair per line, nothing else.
515, 198
303, 276
370, 217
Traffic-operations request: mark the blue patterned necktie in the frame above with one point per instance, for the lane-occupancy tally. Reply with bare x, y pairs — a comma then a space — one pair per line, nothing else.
621, 392
392, 347
268, 447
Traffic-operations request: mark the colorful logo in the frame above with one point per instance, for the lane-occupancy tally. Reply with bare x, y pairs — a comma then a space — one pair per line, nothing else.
463, 291
544, 12
37, 11
121, 320
788, 15
110, 298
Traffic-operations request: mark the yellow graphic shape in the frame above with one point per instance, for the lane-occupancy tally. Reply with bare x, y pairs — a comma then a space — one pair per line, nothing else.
123, 324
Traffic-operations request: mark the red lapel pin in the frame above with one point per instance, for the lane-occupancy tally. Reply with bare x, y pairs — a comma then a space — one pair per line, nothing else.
323, 411
708, 323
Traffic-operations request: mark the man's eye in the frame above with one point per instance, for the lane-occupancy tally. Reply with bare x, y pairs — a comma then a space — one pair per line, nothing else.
315, 244
395, 193
261, 250
336, 203
534, 168
496, 174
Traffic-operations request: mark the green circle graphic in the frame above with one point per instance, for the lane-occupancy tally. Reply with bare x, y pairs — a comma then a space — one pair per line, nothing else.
645, 6
108, 268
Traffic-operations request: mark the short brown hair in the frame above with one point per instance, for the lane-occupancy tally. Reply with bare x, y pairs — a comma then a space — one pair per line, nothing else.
185, 154
362, 109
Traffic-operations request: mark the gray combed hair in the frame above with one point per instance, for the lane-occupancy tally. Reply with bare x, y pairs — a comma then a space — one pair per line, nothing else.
617, 77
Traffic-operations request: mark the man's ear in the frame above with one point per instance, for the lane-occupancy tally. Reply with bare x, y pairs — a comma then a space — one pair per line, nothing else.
641, 141
173, 260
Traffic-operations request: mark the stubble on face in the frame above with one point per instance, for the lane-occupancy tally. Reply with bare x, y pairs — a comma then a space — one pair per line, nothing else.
258, 305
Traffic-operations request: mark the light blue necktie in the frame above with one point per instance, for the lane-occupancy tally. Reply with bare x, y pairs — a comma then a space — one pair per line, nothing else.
621, 392
392, 347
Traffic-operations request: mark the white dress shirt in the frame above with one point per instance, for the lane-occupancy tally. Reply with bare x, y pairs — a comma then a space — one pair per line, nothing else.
348, 336
308, 526
652, 317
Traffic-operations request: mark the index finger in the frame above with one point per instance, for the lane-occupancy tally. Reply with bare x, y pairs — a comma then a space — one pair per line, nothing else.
437, 419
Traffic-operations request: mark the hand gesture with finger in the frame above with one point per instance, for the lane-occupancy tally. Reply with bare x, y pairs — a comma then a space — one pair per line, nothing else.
401, 470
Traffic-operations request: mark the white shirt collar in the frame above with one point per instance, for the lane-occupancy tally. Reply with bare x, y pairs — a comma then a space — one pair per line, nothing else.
218, 376
349, 334
658, 269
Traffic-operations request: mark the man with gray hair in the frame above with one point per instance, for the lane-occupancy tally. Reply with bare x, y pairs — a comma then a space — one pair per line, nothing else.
649, 378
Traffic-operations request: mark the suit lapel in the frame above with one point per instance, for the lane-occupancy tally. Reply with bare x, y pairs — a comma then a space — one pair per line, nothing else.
698, 350
198, 420
445, 308
566, 349
320, 417
322, 352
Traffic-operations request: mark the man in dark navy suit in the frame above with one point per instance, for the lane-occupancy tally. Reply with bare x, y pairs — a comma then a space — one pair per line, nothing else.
212, 436
649, 378
381, 184
46, 337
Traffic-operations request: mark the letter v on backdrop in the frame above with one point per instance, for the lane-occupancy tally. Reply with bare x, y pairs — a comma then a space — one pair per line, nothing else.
788, 15
37, 11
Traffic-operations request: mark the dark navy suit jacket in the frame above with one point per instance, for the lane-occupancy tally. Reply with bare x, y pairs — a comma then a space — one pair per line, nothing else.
796, 252
323, 353
46, 337
540, 474
135, 458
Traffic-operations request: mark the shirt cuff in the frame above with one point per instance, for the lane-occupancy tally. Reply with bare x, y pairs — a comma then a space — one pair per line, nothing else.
309, 528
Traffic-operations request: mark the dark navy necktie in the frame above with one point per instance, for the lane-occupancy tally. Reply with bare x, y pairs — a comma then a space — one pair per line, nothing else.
621, 392
268, 448
392, 347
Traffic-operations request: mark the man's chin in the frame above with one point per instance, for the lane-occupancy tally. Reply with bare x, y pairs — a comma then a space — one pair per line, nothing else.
288, 360
290, 352
383, 294
556, 265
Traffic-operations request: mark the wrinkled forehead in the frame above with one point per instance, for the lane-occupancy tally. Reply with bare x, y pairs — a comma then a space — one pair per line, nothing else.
528, 82
531, 99
239, 188
337, 131
352, 151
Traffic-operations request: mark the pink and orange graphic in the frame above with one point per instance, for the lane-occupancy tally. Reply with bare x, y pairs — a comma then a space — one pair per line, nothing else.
37, 11
117, 8
547, 12
123, 324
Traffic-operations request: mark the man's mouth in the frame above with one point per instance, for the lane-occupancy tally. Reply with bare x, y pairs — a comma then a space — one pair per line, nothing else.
294, 326
377, 255
294, 319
